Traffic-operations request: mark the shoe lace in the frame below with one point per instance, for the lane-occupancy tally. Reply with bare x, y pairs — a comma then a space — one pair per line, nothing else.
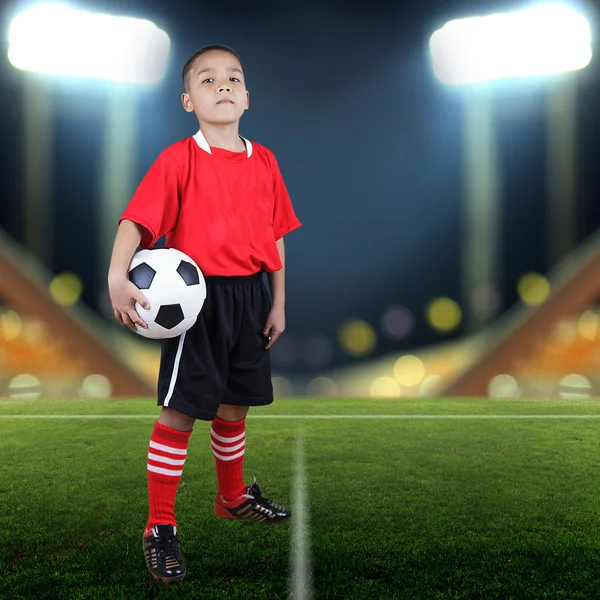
262, 500
168, 545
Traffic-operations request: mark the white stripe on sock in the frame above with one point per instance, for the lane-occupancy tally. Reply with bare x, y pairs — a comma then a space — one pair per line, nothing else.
164, 459
168, 449
225, 448
227, 440
164, 471
221, 457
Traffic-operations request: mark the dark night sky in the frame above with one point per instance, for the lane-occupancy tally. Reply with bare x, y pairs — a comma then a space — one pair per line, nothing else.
368, 142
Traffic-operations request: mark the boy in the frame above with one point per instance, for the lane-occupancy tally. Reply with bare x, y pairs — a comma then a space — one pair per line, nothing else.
220, 199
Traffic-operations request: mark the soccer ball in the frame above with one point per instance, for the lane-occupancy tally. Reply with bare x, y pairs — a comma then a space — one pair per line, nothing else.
174, 287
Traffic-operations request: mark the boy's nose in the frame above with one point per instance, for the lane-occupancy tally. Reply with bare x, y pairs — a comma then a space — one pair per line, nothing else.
224, 88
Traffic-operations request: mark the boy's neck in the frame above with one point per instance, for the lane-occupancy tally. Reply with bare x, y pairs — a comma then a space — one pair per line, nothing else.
223, 136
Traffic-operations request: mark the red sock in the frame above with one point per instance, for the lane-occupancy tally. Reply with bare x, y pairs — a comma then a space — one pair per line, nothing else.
228, 440
166, 457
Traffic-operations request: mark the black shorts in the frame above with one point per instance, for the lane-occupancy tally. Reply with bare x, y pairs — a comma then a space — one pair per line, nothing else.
222, 357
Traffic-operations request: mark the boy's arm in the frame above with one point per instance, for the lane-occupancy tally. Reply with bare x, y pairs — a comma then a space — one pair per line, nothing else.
123, 294
275, 324
277, 278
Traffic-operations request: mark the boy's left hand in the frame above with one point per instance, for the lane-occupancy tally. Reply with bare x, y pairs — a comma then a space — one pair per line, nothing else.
274, 326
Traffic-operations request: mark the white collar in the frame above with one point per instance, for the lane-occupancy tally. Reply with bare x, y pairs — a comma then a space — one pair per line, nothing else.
202, 143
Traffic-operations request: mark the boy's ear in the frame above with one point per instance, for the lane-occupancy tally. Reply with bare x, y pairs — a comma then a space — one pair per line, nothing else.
186, 102
247, 100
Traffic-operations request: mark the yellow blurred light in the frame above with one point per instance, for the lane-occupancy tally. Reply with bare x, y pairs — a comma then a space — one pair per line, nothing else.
24, 387
96, 386
282, 387
357, 338
322, 387
443, 314
533, 289
409, 370
575, 386
503, 386
66, 289
588, 325
430, 386
385, 387
11, 325
34, 332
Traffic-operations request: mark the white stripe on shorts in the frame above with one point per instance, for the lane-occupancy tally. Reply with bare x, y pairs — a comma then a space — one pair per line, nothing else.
175, 370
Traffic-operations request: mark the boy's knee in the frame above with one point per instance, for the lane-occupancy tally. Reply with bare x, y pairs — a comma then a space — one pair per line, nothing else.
228, 412
176, 420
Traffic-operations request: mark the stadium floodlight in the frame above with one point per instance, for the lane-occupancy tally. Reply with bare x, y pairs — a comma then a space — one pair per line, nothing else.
543, 39
59, 40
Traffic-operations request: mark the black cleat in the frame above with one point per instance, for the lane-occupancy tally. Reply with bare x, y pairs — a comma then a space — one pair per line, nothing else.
162, 553
251, 505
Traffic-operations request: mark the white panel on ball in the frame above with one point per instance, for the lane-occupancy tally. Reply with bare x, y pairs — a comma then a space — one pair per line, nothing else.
173, 285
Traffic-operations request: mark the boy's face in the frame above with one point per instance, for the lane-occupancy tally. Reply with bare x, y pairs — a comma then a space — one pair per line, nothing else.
217, 91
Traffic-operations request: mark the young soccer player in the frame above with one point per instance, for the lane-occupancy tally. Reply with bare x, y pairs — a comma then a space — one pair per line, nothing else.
220, 199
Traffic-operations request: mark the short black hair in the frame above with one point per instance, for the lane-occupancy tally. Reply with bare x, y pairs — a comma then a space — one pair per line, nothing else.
188, 65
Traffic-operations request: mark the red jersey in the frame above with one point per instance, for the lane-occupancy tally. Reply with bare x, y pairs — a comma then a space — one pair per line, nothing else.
226, 210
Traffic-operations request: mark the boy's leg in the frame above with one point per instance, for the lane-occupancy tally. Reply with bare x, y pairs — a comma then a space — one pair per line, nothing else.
235, 500
166, 457
228, 441
167, 453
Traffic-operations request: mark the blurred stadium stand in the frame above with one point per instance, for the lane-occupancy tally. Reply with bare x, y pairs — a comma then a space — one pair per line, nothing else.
545, 351
54, 348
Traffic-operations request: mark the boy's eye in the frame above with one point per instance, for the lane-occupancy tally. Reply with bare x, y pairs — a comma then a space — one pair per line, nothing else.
234, 79
210, 79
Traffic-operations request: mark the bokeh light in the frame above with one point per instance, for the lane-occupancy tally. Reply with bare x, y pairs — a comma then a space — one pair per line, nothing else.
409, 370
443, 314
575, 386
385, 387
397, 322
587, 325
282, 387
485, 302
503, 386
24, 387
35, 332
322, 387
357, 338
533, 289
11, 325
96, 386
66, 289
430, 386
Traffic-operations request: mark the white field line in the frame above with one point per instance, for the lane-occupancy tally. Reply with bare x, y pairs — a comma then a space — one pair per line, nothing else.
300, 567
382, 416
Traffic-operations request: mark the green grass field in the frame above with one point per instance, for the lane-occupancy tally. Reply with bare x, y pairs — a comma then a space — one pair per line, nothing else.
415, 499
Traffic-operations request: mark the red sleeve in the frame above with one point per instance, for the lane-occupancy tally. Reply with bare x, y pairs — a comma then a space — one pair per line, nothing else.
284, 217
155, 203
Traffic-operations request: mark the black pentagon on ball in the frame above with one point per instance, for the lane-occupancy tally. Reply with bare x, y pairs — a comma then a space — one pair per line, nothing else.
188, 273
142, 276
169, 316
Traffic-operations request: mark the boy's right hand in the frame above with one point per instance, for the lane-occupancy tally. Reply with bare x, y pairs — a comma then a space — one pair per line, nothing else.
123, 296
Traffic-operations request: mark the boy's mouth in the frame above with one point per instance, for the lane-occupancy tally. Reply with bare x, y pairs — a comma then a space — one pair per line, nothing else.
225, 101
